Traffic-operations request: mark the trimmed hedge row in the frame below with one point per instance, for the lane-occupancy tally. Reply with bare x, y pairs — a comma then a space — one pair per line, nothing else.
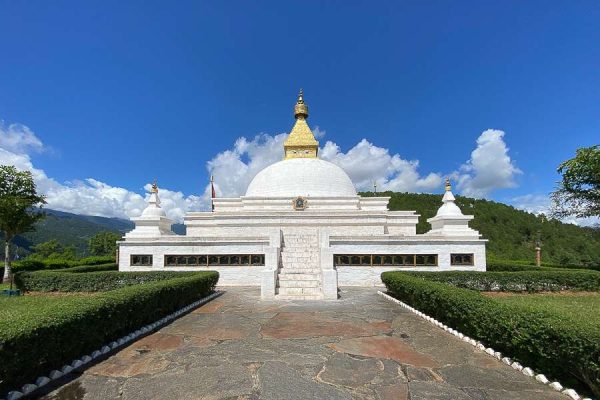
36, 265
546, 280
556, 346
505, 265
40, 341
100, 281
91, 268
511, 267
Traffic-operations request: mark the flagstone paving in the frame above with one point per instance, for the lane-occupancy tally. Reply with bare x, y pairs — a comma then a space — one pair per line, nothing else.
358, 347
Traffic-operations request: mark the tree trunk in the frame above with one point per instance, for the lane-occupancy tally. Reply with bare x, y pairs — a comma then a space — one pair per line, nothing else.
7, 271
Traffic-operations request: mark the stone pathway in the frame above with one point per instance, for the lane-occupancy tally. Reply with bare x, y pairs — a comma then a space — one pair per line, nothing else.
359, 347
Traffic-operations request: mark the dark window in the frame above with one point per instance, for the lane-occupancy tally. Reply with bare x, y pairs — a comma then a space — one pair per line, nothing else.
461, 259
144, 260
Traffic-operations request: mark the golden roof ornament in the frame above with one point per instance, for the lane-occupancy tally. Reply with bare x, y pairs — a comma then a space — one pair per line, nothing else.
448, 185
301, 142
154, 187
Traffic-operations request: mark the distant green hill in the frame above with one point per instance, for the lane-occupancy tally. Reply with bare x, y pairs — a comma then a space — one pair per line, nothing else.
511, 233
73, 229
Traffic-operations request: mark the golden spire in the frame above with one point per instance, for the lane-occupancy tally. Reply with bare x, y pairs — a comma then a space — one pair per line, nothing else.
154, 187
448, 186
301, 142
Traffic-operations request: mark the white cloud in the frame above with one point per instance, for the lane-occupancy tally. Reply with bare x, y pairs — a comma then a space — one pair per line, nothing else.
90, 196
366, 163
18, 138
540, 204
489, 168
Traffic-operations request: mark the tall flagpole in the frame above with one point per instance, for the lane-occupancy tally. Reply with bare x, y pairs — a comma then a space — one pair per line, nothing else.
212, 192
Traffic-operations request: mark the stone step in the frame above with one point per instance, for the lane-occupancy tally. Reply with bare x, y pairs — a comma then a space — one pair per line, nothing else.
299, 271
299, 257
298, 291
299, 277
304, 266
299, 297
298, 251
300, 265
299, 283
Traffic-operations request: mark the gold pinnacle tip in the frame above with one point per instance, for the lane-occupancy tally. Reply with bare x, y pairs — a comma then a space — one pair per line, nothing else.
448, 186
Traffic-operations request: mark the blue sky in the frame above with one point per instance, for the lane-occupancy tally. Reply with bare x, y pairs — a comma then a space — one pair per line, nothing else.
123, 92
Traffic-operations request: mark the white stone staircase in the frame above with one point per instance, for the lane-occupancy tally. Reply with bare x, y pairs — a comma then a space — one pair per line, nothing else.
299, 276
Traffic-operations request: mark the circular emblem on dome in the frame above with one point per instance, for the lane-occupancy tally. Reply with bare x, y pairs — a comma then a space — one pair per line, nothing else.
299, 203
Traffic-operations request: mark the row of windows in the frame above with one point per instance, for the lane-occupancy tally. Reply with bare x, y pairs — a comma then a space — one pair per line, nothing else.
398, 260
145, 260
375, 260
371, 260
214, 260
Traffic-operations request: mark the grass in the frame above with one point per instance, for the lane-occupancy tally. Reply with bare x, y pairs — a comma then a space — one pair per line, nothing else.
581, 308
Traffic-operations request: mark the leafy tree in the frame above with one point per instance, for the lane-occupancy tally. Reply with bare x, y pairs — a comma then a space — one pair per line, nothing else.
53, 249
19, 207
46, 249
578, 193
104, 243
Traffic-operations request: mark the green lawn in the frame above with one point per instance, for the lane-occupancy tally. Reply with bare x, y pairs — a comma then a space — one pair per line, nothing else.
580, 307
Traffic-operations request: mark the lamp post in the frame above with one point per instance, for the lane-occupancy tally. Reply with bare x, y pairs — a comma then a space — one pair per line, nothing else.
538, 253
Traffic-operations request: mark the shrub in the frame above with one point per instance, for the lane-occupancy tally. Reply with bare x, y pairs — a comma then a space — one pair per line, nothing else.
95, 260
520, 265
520, 281
45, 338
545, 341
34, 264
92, 268
100, 281
497, 267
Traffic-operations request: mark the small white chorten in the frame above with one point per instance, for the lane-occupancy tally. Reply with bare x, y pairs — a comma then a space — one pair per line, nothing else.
153, 222
449, 220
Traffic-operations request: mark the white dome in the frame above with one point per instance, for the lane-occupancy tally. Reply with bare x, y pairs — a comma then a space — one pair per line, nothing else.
153, 211
449, 208
301, 177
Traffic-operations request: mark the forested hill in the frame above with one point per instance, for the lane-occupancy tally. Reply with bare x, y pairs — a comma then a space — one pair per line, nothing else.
73, 229
511, 233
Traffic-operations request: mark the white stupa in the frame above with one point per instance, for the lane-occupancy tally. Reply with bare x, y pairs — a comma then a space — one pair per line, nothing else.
301, 230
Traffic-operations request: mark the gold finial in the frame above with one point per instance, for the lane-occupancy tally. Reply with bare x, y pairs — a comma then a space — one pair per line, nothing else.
301, 142
154, 187
448, 186
301, 109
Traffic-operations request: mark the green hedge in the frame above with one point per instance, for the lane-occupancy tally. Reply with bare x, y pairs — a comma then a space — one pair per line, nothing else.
519, 265
36, 265
43, 339
542, 340
92, 268
520, 281
100, 281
